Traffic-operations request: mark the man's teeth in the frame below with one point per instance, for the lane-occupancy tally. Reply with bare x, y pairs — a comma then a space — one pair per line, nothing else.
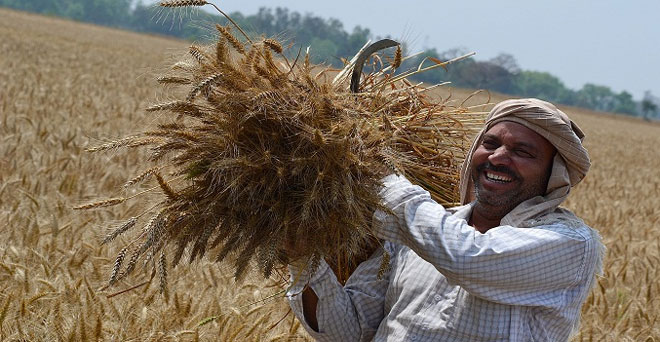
498, 178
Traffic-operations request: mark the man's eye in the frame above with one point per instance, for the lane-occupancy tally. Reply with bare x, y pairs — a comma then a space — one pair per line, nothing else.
524, 153
489, 144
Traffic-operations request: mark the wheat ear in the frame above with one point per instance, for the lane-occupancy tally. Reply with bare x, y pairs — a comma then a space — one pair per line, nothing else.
100, 204
397, 57
182, 3
274, 45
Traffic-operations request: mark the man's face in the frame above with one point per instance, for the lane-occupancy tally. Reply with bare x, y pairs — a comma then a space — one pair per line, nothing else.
511, 164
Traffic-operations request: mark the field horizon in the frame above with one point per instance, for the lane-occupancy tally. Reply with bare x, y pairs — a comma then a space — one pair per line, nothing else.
69, 85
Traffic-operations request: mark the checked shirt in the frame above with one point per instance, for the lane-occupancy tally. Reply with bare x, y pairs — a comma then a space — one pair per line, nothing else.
448, 282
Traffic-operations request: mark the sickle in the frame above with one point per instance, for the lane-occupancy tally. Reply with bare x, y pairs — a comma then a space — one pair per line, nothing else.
362, 57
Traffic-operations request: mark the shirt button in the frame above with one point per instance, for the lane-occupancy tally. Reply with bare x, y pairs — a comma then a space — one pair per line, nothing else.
413, 337
437, 298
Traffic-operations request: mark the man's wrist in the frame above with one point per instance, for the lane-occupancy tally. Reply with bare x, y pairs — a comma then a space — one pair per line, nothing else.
302, 273
390, 179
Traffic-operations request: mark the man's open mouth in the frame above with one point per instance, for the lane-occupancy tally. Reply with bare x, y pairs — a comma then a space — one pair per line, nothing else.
497, 178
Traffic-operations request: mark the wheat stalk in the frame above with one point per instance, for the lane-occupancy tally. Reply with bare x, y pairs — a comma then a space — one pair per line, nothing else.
224, 32
182, 3
117, 266
130, 223
162, 271
273, 45
397, 58
173, 80
101, 204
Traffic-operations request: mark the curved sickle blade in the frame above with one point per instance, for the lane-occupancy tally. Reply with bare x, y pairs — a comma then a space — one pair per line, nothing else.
362, 57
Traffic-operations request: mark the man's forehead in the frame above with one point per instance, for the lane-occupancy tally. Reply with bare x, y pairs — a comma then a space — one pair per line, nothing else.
519, 133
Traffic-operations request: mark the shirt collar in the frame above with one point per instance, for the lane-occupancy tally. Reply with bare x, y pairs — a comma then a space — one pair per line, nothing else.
462, 212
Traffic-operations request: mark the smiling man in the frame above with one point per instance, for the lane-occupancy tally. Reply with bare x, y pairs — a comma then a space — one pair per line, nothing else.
512, 164
508, 265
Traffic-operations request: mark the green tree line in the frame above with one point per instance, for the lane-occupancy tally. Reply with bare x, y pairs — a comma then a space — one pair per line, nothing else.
331, 42
502, 74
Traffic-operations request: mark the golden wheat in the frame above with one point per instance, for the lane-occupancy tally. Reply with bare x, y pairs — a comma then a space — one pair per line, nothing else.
274, 158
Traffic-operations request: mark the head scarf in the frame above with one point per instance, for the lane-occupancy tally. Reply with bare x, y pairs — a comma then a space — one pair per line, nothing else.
570, 163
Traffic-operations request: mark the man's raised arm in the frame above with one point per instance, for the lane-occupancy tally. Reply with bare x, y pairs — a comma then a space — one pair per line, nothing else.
516, 266
351, 312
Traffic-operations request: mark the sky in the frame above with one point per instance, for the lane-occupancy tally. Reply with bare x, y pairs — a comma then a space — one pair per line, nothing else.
605, 42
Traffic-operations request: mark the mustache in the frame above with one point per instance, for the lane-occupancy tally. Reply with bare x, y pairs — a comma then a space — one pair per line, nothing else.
496, 168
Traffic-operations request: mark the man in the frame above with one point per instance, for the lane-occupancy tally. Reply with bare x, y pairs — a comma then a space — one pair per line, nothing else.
508, 265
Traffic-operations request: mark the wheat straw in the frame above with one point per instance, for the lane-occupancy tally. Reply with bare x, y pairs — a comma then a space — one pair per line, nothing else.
130, 223
182, 3
397, 58
101, 204
273, 45
118, 262
271, 156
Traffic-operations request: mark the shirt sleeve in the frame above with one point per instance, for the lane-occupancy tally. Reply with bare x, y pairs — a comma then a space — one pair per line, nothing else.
508, 265
344, 313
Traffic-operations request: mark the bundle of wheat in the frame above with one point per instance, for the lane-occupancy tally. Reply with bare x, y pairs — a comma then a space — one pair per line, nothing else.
266, 152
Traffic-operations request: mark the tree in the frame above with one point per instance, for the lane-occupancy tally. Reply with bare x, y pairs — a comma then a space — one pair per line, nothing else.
507, 62
106, 12
355, 41
323, 50
596, 97
625, 104
542, 85
495, 74
102, 12
649, 105
486, 75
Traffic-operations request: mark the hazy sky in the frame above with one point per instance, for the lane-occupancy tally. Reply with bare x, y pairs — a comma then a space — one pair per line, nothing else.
606, 42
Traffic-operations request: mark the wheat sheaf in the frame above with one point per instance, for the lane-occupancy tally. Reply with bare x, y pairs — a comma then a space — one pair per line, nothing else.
261, 153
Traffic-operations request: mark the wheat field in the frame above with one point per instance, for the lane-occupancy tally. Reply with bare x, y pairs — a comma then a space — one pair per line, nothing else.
65, 86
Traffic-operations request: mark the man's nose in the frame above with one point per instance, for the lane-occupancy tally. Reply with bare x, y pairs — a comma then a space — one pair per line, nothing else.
500, 156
